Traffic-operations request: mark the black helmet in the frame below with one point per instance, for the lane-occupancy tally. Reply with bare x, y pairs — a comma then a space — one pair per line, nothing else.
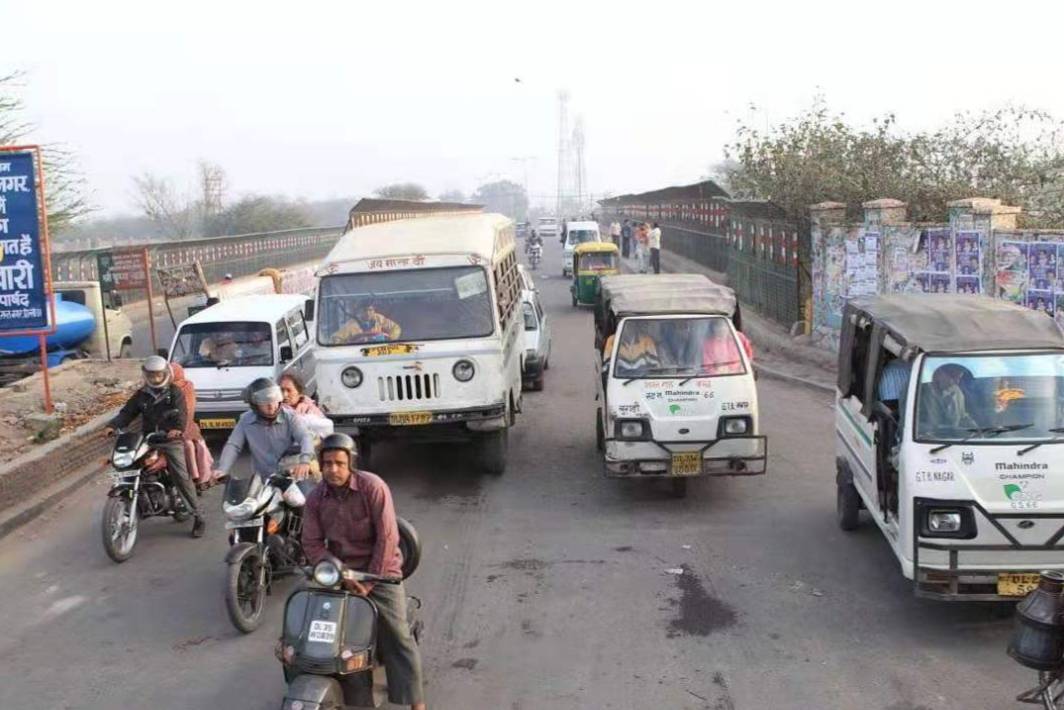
262, 391
340, 442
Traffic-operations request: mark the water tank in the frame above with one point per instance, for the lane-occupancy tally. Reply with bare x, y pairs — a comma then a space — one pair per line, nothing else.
75, 324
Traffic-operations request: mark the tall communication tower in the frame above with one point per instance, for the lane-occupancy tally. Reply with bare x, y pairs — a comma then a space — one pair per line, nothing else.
564, 170
579, 176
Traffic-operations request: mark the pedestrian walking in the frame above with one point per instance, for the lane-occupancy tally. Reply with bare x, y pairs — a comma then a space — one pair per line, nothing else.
654, 242
642, 236
615, 233
626, 239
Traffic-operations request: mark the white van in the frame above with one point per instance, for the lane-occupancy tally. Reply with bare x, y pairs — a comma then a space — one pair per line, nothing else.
226, 346
419, 332
547, 227
577, 233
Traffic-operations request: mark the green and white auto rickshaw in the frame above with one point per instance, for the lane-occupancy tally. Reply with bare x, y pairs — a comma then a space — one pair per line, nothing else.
949, 420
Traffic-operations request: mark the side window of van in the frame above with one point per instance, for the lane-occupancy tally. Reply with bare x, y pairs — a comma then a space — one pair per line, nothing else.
298, 329
862, 338
282, 334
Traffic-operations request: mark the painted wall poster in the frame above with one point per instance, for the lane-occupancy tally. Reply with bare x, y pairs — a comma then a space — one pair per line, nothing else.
1042, 265
971, 285
1011, 277
968, 260
1040, 299
1058, 313
862, 265
938, 248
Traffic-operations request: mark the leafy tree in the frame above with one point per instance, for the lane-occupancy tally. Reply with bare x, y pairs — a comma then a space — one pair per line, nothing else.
452, 196
1015, 154
65, 194
402, 191
258, 213
503, 196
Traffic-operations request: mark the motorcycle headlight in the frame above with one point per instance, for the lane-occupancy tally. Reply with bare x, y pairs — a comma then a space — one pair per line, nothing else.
122, 459
326, 574
463, 371
239, 511
351, 377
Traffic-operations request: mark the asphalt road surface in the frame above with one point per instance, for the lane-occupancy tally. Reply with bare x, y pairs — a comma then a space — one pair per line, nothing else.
546, 587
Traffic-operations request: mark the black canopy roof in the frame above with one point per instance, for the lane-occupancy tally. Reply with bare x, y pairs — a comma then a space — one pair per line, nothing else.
959, 323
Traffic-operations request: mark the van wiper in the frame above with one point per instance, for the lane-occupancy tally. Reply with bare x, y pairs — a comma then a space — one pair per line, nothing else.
984, 431
1032, 447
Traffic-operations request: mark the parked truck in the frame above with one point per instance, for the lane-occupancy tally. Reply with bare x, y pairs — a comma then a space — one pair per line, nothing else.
79, 309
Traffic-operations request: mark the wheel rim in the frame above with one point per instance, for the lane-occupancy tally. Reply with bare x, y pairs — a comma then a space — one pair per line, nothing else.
123, 528
250, 590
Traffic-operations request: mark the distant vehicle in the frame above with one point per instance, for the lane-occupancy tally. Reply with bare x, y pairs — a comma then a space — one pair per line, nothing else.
79, 333
527, 282
577, 233
522, 229
537, 340
224, 347
547, 227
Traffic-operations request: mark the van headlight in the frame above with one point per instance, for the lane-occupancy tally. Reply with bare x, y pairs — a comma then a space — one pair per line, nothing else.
351, 377
326, 574
945, 521
463, 370
631, 429
734, 426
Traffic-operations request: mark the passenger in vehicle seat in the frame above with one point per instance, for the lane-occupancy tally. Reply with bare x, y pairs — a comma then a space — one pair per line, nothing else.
366, 324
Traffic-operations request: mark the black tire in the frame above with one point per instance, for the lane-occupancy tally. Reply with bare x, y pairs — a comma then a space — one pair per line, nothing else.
600, 431
245, 608
847, 506
537, 384
409, 545
113, 511
574, 300
491, 451
679, 488
546, 363
126, 351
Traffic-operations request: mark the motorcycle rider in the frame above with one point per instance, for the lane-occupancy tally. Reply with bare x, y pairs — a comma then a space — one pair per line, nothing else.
270, 431
351, 516
161, 406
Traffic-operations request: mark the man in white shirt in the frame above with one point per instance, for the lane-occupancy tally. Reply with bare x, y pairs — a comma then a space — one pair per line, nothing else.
615, 233
654, 242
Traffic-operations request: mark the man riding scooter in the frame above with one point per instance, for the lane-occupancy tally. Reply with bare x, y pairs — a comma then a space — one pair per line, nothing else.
161, 406
270, 431
351, 516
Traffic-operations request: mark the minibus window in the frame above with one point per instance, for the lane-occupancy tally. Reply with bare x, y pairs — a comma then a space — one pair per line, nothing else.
224, 344
530, 316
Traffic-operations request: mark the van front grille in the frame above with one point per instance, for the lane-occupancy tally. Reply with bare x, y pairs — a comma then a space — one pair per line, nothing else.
408, 388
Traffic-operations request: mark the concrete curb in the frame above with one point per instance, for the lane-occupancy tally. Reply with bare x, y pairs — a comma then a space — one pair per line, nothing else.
14, 518
793, 379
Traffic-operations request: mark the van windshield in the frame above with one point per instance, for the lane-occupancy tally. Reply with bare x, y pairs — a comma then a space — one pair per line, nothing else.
580, 236
415, 304
996, 397
677, 347
225, 344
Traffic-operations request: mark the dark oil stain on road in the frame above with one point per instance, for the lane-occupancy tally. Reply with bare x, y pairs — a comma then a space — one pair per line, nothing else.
526, 565
700, 614
466, 663
623, 548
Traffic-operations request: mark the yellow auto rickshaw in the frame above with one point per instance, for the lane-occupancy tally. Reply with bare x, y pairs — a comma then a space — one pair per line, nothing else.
592, 260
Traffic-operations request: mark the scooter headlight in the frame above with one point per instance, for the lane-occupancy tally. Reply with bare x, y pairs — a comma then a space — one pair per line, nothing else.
239, 511
326, 574
122, 459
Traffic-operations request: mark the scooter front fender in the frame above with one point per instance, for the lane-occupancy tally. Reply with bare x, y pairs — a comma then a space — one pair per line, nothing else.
316, 692
239, 551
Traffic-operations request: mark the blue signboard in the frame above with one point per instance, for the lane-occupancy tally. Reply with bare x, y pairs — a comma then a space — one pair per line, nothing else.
23, 301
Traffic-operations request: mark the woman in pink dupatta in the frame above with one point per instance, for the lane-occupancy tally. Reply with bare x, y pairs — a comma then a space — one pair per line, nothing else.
197, 455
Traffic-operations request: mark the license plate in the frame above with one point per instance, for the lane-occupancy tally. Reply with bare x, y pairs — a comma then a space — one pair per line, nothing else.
1016, 584
233, 524
687, 463
378, 350
217, 423
123, 476
409, 418
322, 631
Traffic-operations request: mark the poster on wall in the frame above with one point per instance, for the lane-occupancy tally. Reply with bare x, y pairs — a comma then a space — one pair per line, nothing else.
1042, 265
1058, 313
939, 273
1011, 277
968, 257
862, 265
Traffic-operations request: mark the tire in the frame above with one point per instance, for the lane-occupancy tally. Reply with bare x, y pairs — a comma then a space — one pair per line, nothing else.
600, 432
679, 488
245, 610
491, 452
546, 363
126, 351
113, 512
847, 506
574, 301
409, 545
537, 384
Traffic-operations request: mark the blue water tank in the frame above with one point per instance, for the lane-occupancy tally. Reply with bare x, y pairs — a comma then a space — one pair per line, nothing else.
75, 323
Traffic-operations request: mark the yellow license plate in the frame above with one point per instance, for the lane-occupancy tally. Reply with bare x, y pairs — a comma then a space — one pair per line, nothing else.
1016, 584
687, 463
378, 350
217, 423
409, 418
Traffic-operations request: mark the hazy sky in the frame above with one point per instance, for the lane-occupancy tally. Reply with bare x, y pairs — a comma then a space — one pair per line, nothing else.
323, 99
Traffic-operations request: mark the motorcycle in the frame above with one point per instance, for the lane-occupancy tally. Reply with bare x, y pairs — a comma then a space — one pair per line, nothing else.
328, 646
1038, 640
140, 488
535, 256
265, 521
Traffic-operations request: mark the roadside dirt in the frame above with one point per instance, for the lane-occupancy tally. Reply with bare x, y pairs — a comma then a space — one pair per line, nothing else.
81, 391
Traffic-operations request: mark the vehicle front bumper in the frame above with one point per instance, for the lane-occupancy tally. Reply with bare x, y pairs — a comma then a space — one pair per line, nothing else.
443, 425
732, 456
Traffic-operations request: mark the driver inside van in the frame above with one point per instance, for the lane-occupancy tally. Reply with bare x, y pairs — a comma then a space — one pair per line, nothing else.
219, 348
637, 351
942, 401
367, 324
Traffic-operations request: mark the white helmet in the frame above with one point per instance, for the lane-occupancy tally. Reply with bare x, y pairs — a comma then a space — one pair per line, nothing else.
156, 372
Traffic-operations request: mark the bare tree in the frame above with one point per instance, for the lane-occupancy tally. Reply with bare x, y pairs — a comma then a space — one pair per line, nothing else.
213, 184
160, 201
64, 183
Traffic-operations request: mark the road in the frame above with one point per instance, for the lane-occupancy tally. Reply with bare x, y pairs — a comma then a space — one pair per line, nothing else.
543, 588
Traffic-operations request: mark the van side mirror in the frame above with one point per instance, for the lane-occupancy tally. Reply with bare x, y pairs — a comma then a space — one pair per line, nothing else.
286, 353
308, 310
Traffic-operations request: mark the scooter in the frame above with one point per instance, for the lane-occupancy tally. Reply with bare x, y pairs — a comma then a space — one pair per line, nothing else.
535, 255
140, 488
328, 646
